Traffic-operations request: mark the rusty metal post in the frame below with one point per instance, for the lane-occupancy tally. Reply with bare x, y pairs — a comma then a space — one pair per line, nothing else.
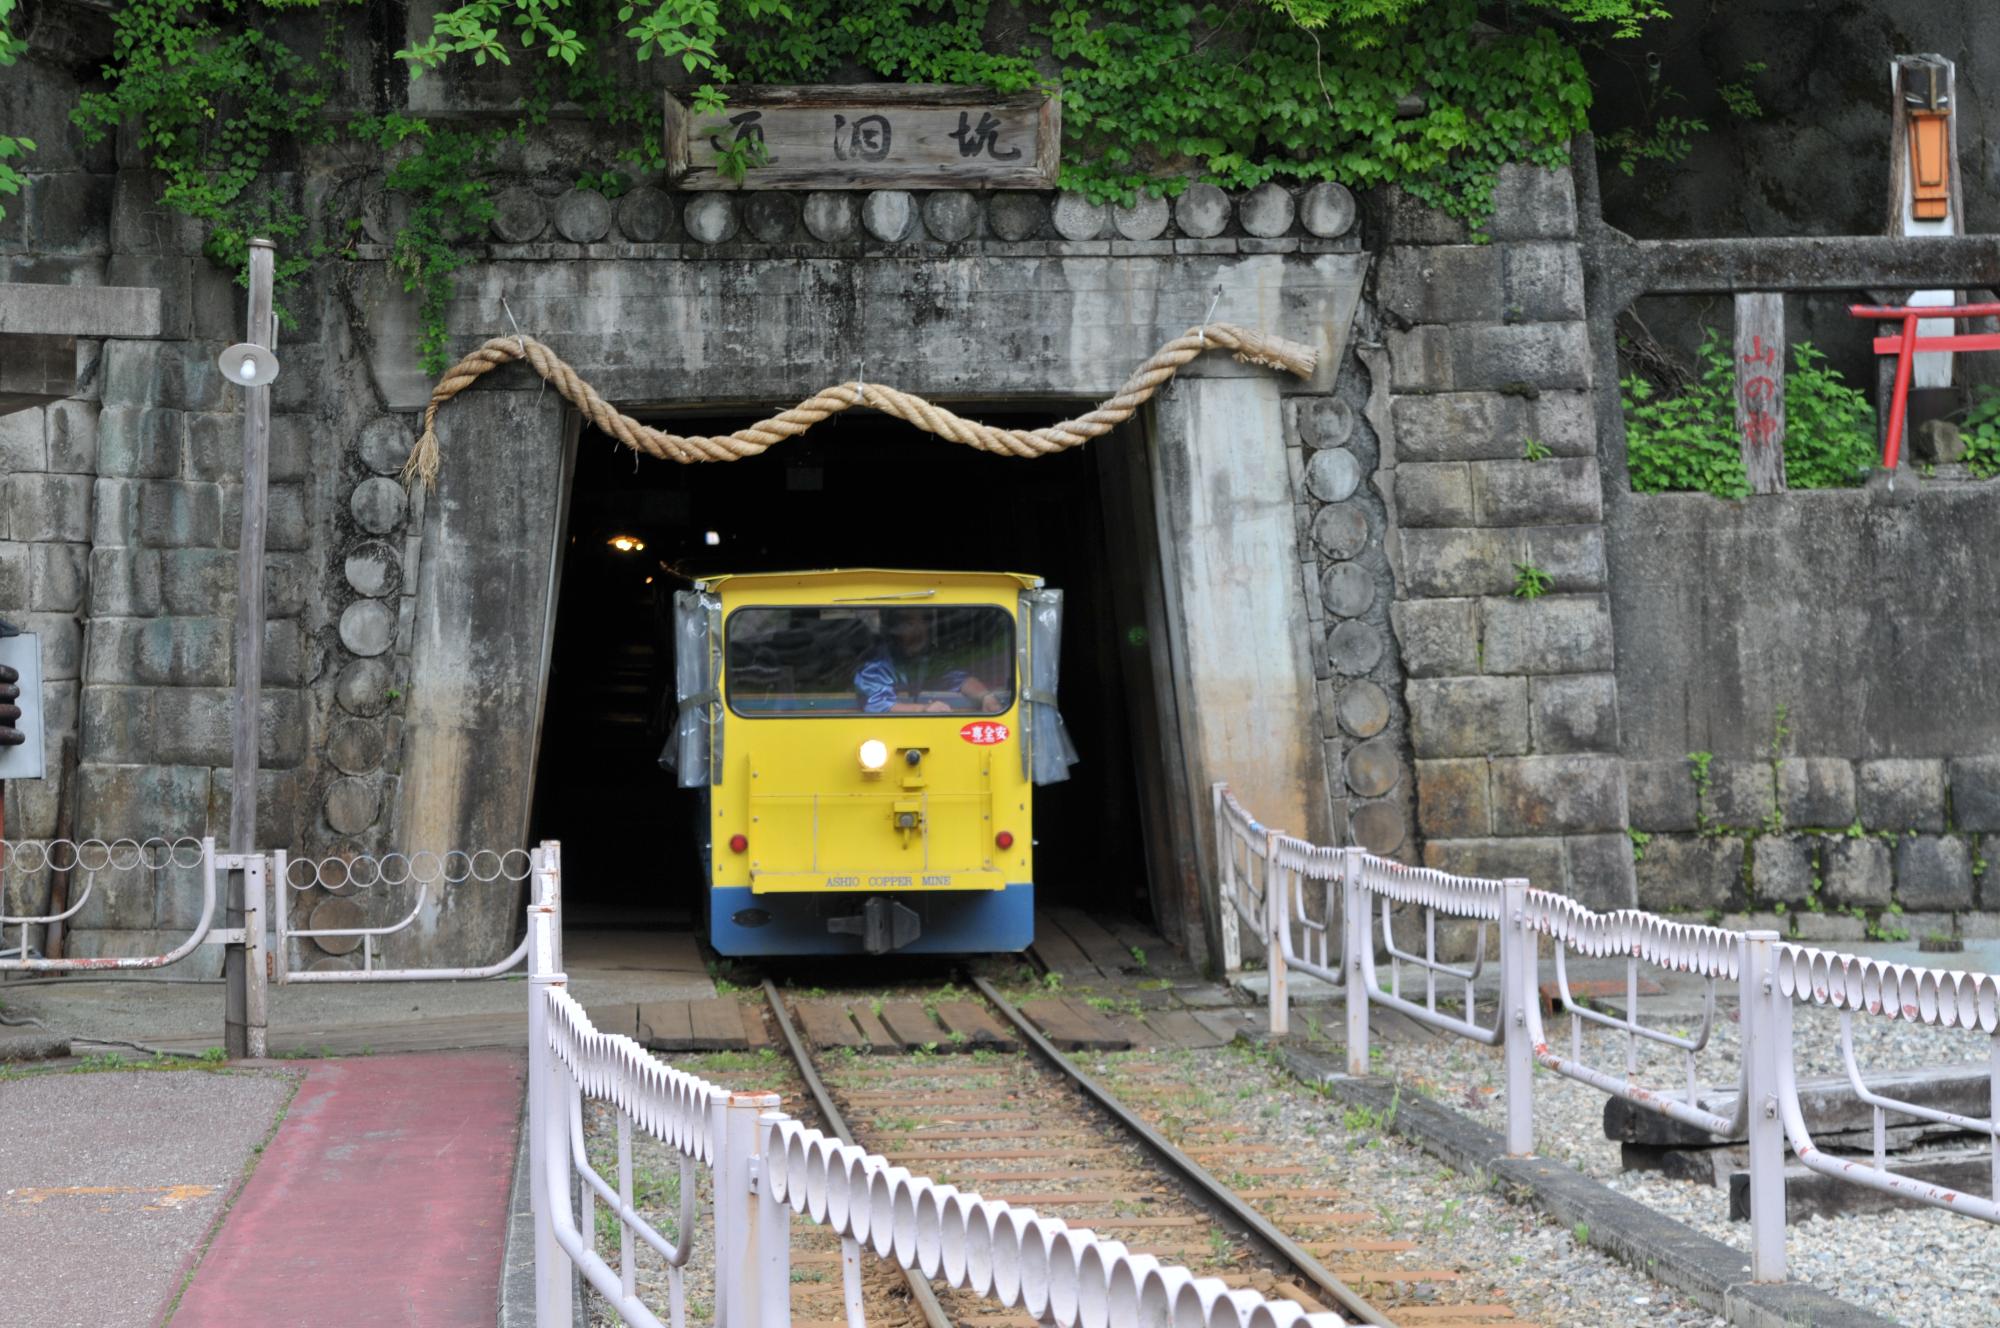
1274, 937
1767, 1026
1354, 923
1225, 843
1517, 987
257, 955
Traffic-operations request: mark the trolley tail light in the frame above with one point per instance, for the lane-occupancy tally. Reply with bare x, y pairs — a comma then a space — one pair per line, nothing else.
1005, 839
874, 755
739, 844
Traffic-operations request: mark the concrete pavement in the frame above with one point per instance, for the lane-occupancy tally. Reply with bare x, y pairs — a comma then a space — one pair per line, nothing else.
605, 968
113, 1181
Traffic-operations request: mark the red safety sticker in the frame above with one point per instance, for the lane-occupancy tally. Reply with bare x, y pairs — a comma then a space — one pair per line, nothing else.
985, 734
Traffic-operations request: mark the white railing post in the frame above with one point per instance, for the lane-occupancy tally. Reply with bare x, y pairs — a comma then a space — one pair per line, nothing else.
548, 1120
740, 1288
1354, 924
1518, 971
280, 903
1767, 1028
772, 1223
1276, 880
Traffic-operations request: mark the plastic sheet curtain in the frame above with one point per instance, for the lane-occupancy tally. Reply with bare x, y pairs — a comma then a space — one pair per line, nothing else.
696, 745
1046, 750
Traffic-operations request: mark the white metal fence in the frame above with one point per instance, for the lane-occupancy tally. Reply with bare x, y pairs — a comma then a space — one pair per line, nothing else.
28, 869
1300, 895
764, 1167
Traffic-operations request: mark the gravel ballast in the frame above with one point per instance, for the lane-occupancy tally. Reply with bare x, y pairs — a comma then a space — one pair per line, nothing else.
1922, 1267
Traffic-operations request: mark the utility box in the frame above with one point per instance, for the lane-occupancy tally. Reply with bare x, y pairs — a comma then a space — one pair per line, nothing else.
22, 652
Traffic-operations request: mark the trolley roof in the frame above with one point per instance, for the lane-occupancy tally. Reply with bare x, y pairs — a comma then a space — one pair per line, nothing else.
916, 579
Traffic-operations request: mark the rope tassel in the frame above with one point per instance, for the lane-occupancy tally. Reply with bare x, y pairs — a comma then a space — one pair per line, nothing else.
1248, 347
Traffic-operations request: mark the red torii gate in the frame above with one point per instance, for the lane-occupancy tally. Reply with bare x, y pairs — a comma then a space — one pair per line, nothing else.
1905, 346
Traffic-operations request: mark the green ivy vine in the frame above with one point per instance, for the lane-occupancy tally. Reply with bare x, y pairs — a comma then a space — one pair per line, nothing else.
1688, 440
12, 147
1433, 95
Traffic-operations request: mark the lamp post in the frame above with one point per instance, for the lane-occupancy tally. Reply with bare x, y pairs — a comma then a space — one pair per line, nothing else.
251, 366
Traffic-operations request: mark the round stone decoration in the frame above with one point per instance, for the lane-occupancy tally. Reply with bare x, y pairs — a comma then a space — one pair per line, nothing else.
1374, 768
831, 217
646, 216
1347, 590
1363, 708
1077, 218
951, 215
1340, 530
1333, 475
1266, 211
518, 216
335, 915
1328, 422
583, 216
1016, 215
1144, 220
711, 219
378, 504
374, 570
352, 805
1327, 210
889, 215
384, 216
385, 444
356, 748
1353, 648
367, 627
1202, 211
363, 688
1377, 827
772, 216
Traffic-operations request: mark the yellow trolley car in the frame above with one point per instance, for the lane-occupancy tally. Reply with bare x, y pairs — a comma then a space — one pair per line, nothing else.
868, 742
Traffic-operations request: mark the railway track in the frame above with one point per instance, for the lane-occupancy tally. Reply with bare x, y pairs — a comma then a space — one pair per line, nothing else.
1033, 1128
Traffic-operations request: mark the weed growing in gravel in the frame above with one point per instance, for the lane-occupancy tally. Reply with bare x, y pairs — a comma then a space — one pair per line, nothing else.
1581, 1233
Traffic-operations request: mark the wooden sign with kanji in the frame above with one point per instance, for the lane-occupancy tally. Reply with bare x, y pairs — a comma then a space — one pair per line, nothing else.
1760, 388
867, 136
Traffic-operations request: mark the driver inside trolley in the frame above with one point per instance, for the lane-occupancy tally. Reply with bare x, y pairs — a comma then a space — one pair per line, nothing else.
910, 672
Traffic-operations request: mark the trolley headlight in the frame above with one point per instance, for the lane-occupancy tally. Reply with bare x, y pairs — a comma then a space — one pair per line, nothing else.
874, 754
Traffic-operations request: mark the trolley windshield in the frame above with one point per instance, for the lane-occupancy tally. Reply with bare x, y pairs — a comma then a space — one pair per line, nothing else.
839, 659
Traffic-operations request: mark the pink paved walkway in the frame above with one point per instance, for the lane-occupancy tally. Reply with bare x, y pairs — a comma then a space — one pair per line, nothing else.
381, 1200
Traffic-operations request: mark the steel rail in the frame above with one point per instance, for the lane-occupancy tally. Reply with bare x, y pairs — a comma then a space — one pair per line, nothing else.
920, 1287
1212, 1190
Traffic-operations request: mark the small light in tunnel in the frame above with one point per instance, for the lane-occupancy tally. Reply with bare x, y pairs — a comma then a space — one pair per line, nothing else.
712, 537
649, 580
626, 543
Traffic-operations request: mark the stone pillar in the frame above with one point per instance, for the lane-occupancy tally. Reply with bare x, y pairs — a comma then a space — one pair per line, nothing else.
1495, 492
478, 645
1242, 636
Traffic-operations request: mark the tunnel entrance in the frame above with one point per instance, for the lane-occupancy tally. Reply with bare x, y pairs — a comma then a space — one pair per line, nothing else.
860, 491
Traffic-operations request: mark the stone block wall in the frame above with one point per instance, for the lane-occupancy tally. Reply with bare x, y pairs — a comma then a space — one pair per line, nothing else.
1822, 848
1512, 701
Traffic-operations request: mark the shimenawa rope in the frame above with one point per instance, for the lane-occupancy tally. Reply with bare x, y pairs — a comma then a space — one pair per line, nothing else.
1248, 346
